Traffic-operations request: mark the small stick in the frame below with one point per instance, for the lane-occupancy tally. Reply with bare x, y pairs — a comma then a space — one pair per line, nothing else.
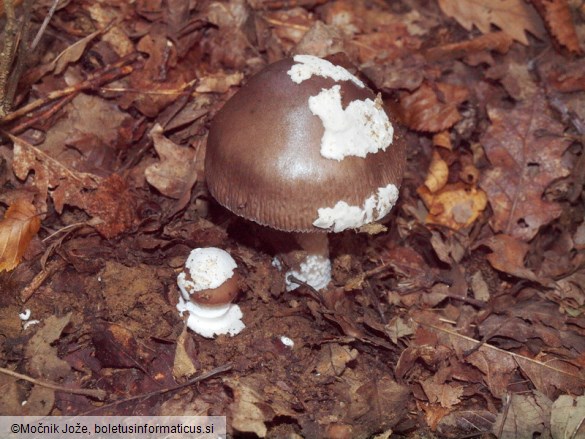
204, 376
93, 393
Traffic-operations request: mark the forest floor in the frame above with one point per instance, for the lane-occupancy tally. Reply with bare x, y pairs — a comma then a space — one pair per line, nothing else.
463, 316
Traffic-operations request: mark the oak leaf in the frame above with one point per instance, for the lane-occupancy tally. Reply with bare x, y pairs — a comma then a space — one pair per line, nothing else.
17, 229
514, 17
524, 146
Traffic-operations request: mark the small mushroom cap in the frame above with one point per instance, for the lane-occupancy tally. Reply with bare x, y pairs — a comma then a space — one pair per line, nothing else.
209, 277
263, 159
221, 295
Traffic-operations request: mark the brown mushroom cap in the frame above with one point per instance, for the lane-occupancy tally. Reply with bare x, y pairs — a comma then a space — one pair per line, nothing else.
221, 295
263, 159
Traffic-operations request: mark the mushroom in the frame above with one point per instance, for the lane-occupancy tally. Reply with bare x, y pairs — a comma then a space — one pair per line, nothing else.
208, 284
305, 147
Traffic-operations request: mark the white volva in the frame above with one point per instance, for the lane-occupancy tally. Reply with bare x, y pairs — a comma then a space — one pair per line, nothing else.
208, 268
342, 216
361, 128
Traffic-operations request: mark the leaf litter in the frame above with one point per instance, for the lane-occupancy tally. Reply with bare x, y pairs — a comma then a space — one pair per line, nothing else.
463, 316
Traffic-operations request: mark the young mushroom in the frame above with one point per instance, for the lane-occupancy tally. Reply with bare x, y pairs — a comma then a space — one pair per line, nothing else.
305, 147
208, 284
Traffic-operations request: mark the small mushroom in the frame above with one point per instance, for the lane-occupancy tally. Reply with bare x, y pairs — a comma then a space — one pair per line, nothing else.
208, 284
305, 147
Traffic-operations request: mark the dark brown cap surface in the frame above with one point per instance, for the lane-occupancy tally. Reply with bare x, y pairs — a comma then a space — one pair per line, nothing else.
263, 159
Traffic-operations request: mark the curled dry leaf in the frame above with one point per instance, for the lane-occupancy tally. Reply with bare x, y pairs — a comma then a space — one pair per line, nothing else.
20, 224
438, 173
524, 146
514, 17
433, 108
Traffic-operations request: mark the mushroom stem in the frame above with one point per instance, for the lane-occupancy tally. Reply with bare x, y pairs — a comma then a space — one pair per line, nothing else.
311, 264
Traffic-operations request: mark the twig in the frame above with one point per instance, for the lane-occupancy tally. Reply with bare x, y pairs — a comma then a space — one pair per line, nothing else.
44, 25
109, 73
7, 55
93, 393
195, 380
38, 280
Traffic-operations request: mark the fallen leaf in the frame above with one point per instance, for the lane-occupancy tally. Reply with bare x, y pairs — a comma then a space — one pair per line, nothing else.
438, 173
514, 17
257, 402
557, 18
333, 359
446, 394
49, 173
176, 173
19, 226
218, 83
184, 353
42, 358
433, 108
567, 418
508, 256
456, 205
465, 423
380, 402
398, 328
524, 146
112, 203
527, 416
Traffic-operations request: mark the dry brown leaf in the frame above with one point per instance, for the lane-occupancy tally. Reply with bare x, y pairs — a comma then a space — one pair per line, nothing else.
524, 146
112, 203
508, 256
175, 174
456, 205
380, 402
514, 17
433, 108
548, 374
50, 174
527, 416
398, 328
568, 417
70, 55
333, 359
219, 83
183, 363
43, 361
557, 18
447, 395
257, 402
19, 226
